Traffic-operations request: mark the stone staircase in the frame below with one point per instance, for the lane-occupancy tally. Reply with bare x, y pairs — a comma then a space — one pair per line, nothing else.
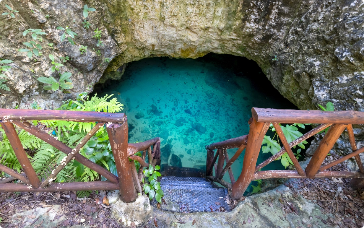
192, 193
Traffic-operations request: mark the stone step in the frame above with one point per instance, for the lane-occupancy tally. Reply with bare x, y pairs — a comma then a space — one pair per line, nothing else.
192, 194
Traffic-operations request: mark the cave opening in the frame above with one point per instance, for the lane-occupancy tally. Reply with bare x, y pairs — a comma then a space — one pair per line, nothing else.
191, 103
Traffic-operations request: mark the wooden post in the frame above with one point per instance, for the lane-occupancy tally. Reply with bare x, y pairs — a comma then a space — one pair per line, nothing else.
118, 136
354, 148
220, 162
323, 149
255, 139
209, 159
20, 153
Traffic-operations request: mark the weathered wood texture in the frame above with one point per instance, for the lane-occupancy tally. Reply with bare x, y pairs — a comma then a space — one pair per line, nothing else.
288, 149
230, 143
323, 149
77, 116
65, 149
71, 155
14, 174
256, 135
353, 147
292, 144
294, 174
118, 136
310, 116
20, 154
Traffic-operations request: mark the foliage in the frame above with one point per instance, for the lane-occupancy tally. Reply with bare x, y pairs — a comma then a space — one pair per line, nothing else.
97, 34
35, 33
107, 60
86, 24
34, 48
151, 186
52, 84
273, 146
86, 9
3, 68
83, 49
67, 33
55, 65
11, 11
258, 187
65, 59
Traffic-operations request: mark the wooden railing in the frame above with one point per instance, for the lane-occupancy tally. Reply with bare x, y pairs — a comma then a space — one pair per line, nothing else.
127, 181
338, 121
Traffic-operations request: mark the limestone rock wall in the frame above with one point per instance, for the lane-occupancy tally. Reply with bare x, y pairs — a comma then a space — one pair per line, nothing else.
311, 51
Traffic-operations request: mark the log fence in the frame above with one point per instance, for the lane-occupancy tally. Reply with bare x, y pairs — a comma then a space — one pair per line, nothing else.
127, 181
337, 122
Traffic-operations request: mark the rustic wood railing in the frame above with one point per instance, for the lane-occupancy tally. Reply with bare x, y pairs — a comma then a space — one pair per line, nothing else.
338, 121
127, 181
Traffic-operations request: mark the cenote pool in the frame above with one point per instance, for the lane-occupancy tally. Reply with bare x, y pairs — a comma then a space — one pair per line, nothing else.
190, 103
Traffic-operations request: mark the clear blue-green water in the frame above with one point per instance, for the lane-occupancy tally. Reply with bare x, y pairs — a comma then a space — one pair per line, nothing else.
190, 103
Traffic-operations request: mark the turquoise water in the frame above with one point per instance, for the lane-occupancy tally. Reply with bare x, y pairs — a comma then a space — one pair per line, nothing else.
192, 103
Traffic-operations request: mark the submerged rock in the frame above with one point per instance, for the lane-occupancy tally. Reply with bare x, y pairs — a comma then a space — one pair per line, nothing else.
175, 161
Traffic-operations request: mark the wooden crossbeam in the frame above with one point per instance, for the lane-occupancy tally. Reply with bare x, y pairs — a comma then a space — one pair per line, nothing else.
354, 148
323, 149
65, 149
288, 149
20, 153
14, 174
292, 144
71, 155
233, 159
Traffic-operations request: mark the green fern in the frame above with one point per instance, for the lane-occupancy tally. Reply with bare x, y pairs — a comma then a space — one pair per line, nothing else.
47, 157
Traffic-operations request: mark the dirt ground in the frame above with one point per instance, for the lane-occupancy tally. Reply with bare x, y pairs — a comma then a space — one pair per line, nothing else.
77, 211
333, 195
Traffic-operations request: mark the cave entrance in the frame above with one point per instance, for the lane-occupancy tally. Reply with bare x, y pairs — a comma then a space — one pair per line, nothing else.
190, 103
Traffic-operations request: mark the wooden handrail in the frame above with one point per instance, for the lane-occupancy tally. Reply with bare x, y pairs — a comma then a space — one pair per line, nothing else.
307, 116
77, 116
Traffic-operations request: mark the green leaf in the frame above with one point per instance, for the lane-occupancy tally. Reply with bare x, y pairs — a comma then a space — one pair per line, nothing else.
34, 36
151, 194
158, 174
5, 14
39, 46
157, 167
79, 168
47, 87
51, 57
330, 107
158, 198
63, 36
70, 40
160, 192
12, 15
291, 132
323, 109
60, 28
88, 150
46, 80
5, 61
36, 52
55, 86
66, 85
25, 32
30, 54
85, 13
9, 8
146, 188
286, 160
272, 145
91, 143
28, 44
65, 76
150, 170
69, 31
